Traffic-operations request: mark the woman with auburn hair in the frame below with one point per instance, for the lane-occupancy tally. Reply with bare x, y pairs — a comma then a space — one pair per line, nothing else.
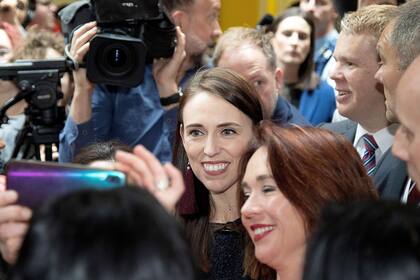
287, 182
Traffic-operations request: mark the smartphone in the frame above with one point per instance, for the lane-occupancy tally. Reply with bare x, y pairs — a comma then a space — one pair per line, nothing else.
35, 181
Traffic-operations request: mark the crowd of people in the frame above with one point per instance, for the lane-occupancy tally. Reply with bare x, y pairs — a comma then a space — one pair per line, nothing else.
288, 151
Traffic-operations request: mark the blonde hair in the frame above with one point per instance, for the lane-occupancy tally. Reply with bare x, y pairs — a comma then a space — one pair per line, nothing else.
370, 20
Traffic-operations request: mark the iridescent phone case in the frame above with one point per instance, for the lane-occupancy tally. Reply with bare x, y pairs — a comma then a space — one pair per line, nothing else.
35, 181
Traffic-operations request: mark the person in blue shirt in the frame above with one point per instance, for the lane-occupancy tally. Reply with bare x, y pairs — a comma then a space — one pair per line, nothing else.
110, 113
136, 115
325, 16
294, 34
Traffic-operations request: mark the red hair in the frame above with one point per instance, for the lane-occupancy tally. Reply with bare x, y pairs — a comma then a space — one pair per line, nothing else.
311, 167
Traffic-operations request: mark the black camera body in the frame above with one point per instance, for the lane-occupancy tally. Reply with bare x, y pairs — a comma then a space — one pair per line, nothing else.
132, 33
38, 82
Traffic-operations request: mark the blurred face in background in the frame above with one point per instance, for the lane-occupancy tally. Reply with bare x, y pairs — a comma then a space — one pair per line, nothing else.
323, 12
45, 15
9, 10
250, 62
292, 41
201, 26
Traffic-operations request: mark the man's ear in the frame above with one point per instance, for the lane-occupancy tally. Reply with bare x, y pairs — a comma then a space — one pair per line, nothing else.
180, 18
279, 75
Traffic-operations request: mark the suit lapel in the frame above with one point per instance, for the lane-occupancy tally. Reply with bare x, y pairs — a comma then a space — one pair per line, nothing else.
390, 176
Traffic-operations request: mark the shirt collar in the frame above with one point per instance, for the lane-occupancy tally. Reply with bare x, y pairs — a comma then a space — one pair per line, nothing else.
321, 42
384, 137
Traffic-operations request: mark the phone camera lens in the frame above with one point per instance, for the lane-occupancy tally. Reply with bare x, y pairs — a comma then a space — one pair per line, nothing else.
113, 179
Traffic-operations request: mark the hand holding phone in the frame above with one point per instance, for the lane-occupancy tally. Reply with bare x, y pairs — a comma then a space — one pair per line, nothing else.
36, 181
14, 221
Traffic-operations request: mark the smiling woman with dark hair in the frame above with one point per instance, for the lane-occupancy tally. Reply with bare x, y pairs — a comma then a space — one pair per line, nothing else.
218, 114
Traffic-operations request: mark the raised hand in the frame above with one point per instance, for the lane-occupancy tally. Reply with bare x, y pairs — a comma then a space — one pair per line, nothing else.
14, 223
165, 182
168, 71
81, 104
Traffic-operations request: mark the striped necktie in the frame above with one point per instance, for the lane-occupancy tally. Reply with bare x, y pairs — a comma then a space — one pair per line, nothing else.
368, 158
414, 194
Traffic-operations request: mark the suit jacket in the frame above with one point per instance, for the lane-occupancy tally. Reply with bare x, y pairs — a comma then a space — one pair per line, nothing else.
286, 113
390, 174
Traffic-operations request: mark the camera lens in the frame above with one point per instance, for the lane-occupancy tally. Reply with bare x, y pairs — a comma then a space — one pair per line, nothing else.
116, 57
113, 179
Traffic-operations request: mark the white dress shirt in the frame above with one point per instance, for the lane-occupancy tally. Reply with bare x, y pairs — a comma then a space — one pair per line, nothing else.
384, 138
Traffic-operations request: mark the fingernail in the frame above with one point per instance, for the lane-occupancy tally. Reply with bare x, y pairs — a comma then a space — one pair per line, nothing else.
26, 213
10, 196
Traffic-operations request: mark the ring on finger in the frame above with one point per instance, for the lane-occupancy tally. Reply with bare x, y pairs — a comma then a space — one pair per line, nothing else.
162, 184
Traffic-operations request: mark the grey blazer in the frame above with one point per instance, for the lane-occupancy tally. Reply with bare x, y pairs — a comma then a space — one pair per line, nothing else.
390, 174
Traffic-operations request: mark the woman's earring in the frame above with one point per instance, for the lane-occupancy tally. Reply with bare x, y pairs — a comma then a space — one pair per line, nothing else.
188, 166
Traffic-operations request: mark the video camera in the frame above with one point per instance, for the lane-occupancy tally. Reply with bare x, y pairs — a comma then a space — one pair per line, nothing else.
132, 33
38, 82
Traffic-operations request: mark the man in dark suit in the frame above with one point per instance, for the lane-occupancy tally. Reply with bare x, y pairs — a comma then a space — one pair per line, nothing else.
361, 98
397, 47
390, 173
407, 140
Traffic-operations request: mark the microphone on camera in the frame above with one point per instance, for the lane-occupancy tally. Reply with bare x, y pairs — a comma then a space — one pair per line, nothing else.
266, 20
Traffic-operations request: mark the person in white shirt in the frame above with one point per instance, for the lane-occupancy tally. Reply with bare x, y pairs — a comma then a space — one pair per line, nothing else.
360, 97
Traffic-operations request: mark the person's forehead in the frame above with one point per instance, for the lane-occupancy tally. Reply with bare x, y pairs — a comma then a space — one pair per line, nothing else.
256, 166
205, 5
201, 98
247, 56
294, 22
317, 2
350, 45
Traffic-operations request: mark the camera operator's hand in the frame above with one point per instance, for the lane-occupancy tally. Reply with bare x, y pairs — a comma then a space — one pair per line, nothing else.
142, 168
81, 110
14, 223
168, 71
